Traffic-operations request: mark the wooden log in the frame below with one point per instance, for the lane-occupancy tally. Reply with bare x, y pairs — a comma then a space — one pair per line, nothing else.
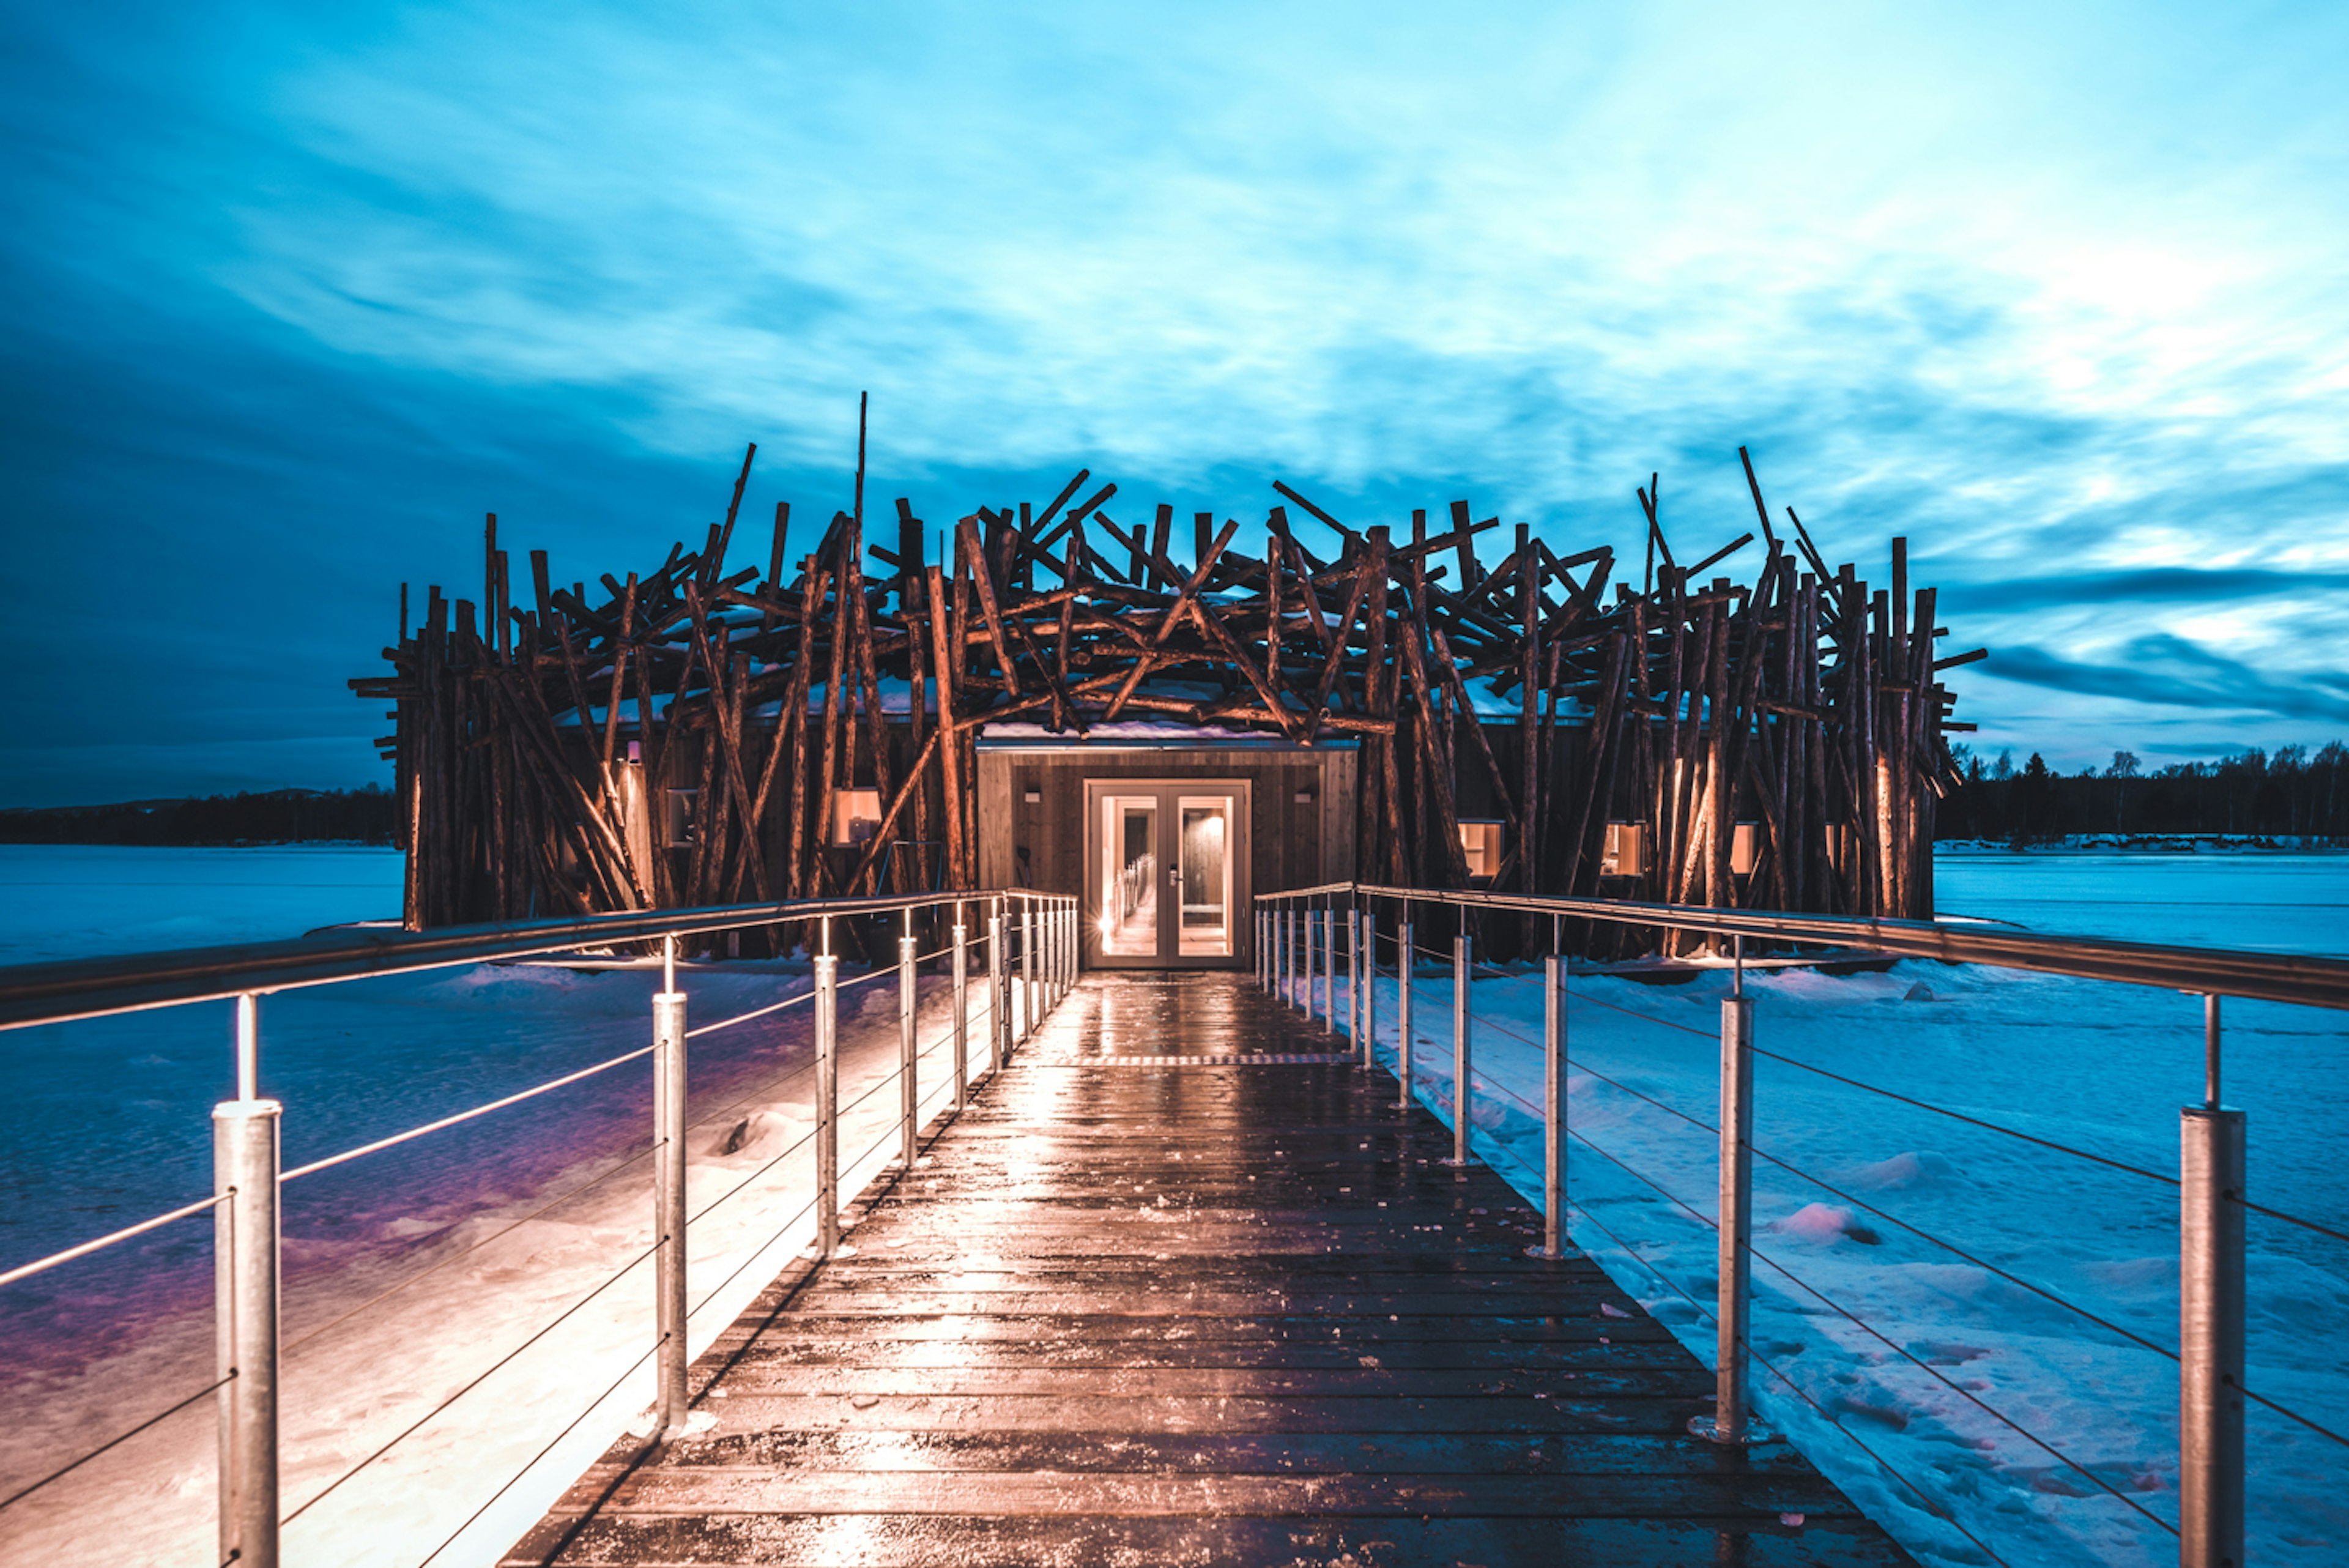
828, 766
983, 583
813, 579
950, 745
1529, 714
1591, 806
1448, 671
619, 687
1168, 622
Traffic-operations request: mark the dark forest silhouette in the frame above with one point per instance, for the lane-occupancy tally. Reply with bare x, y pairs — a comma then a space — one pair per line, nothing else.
2289, 792
277, 816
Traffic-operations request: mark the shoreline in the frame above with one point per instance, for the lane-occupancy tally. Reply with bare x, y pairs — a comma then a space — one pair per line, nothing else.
2147, 843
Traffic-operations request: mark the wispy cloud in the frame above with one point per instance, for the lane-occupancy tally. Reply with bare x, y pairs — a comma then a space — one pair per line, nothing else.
2173, 672
2053, 293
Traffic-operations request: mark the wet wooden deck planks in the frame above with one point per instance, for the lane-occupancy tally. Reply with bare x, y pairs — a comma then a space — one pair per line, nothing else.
1160, 1315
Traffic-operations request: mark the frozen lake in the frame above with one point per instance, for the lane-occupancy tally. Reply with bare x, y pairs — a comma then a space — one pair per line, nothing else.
113, 1125
2270, 901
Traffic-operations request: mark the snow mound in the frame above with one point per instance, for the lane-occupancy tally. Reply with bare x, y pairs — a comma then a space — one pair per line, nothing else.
1818, 1224
1905, 1172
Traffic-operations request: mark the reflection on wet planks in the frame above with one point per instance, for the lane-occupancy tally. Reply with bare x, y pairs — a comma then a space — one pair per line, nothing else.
1206, 1314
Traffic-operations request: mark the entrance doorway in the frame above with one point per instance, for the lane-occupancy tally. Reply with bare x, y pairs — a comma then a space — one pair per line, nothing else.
1167, 872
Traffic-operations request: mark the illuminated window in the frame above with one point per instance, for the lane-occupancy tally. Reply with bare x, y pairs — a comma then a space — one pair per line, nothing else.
1625, 850
1480, 841
855, 818
1746, 849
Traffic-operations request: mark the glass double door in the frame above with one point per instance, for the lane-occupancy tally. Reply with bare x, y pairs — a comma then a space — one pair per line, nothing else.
1167, 871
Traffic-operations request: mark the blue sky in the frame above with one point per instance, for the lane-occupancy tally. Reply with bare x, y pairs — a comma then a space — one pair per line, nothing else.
288, 298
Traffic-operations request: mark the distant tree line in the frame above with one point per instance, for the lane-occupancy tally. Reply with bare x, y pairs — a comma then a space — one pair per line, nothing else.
277, 816
2291, 791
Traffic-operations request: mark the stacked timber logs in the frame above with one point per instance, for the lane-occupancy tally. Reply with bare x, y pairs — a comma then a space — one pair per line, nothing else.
693, 736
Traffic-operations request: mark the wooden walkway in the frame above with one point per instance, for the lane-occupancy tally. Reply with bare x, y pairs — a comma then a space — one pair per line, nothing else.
1171, 1311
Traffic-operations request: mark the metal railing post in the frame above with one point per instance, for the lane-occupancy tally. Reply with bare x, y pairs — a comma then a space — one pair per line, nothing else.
909, 1097
1370, 972
827, 1101
669, 1204
1734, 1311
998, 1002
1553, 1109
1313, 945
1288, 953
961, 1010
1404, 954
1027, 970
1354, 983
1463, 1101
1329, 969
2211, 1308
246, 1255
1312, 961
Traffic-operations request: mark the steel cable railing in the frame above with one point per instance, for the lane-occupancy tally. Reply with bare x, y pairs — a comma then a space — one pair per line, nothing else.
98, 1245
766, 1088
551, 1444
712, 1294
1676, 1288
1494, 973
475, 1382
1300, 961
1586, 998
114, 1442
2015, 1133
884, 1080
450, 1121
1798, 1172
791, 1001
1929, 1237
1030, 962
459, 1256
1713, 1223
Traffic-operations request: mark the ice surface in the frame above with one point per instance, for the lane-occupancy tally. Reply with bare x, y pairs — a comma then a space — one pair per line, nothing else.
2101, 1068
110, 1124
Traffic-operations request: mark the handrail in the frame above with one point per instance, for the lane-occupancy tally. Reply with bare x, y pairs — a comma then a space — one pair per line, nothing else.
90, 988
248, 1266
2268, 977
1306, 956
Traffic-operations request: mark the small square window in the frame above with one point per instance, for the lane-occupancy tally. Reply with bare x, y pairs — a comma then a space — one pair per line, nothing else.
683, 808
855, 818
1480, 842
1625, 850
1746, 849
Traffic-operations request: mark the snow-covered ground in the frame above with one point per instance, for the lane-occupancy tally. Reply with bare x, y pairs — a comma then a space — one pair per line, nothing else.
1850, 1279
499, 1228
111, 1124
